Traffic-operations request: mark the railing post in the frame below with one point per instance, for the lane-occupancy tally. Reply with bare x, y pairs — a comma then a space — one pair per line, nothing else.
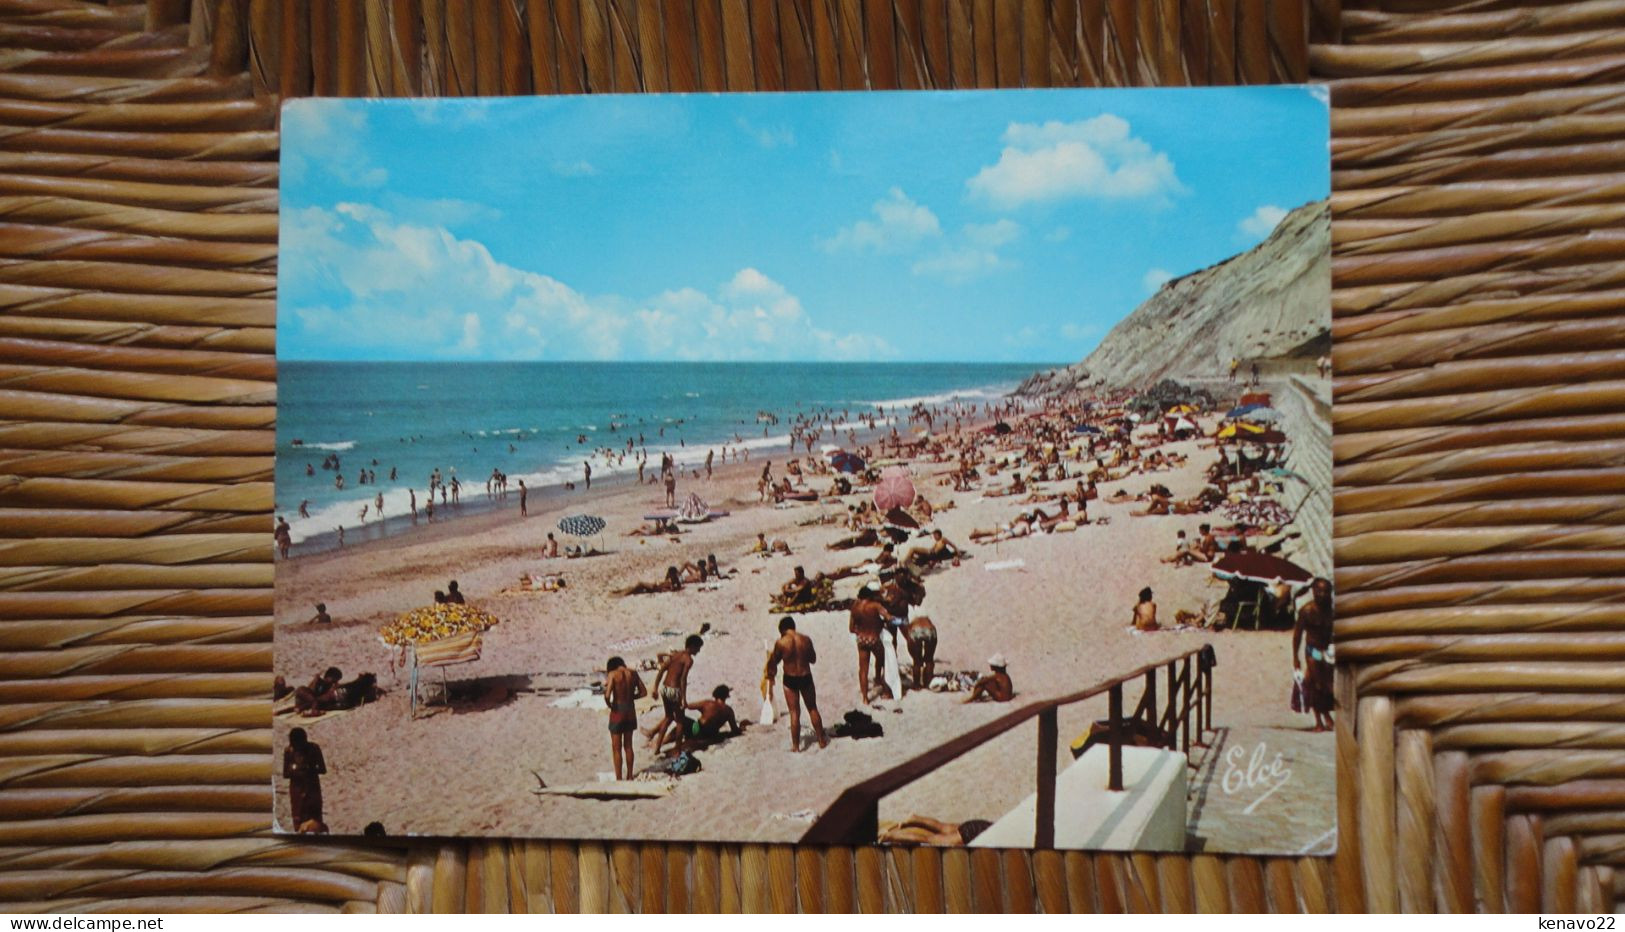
1114, 779
1207, 698
1173, 696
1048, 735
1150, 699
1190, 703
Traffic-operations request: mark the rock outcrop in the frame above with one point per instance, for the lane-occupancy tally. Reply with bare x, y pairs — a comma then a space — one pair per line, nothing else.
1272, 301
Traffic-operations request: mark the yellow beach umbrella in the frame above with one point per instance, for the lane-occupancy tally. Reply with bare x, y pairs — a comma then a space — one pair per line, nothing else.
1238, 428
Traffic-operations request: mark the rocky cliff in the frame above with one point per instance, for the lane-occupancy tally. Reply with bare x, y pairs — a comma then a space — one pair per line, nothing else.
1272, 301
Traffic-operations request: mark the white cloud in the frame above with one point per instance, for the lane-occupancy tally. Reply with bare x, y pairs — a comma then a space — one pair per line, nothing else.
325, 136
992, 235
899, 224
1054, 161
973, 255
958, 266
1154, 279
1261, 222
768, 137
580, 168
1079, 331
471, 334
1058, 235
360, 278
451, 112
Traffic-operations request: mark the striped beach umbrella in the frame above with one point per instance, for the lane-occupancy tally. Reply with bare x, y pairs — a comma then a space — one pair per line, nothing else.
581, 525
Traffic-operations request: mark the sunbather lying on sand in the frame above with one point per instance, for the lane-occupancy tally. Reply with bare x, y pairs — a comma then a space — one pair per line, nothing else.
924, 830
351, 695
672, 583
1020, 527
658, 527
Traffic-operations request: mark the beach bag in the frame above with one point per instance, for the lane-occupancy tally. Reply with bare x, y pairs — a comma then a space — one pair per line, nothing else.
683, 764
1299, 702
769, 714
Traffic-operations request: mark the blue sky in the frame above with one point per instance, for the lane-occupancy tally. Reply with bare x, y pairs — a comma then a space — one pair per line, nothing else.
965, 226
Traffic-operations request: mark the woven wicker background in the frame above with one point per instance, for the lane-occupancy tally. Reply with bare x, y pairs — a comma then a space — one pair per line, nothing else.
1479, 169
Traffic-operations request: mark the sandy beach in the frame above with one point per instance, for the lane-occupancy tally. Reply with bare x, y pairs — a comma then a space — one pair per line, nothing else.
1058, 606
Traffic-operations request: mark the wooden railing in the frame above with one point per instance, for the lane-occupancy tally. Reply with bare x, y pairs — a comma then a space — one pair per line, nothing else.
1187, 714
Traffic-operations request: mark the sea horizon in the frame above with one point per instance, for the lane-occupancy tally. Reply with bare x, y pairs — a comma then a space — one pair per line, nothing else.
538, 421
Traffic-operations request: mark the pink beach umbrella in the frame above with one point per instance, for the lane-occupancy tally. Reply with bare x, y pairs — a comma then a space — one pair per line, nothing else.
895, 489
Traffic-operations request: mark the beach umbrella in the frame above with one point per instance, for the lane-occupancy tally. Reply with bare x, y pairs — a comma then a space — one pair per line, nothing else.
1182, 409
895, 489
1002, 428
1242, 411
846, 462
1239, 429
1184, 423
694, 509
1260, 568
583, 526
1263, 414
1254, 398
1266, 436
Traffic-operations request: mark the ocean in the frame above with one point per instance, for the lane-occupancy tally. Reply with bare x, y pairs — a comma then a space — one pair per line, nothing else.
538, 421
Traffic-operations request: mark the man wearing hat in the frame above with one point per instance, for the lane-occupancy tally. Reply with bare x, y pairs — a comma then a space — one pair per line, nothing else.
996, 686
715, 715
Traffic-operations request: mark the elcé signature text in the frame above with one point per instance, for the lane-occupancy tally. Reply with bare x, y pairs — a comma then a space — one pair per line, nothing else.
1255, 772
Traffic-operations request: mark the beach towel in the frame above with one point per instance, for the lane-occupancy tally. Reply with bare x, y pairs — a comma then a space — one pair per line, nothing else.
1004, 565
769, 714
290, 712
894, 679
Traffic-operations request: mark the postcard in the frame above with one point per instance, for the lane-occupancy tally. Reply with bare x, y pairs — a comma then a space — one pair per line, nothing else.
943, 469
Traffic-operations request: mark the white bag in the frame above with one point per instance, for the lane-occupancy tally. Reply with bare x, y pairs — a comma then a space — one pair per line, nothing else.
769, 714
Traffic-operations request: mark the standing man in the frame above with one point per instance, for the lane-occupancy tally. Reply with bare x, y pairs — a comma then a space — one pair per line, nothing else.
586, 471
523, 493
1314, 631
795, 651
622, 689
867, 621
671, 685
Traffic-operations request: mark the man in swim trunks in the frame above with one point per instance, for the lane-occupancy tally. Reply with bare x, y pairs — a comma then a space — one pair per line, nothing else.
671, 685
715, 715
1313, 631
622, 689
921, 635
867, 621
798, 591
795, 651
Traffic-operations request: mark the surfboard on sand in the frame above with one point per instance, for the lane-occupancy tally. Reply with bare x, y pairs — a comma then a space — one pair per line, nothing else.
620, 789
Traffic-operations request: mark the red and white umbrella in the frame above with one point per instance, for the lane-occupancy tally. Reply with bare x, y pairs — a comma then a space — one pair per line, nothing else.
895, 489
